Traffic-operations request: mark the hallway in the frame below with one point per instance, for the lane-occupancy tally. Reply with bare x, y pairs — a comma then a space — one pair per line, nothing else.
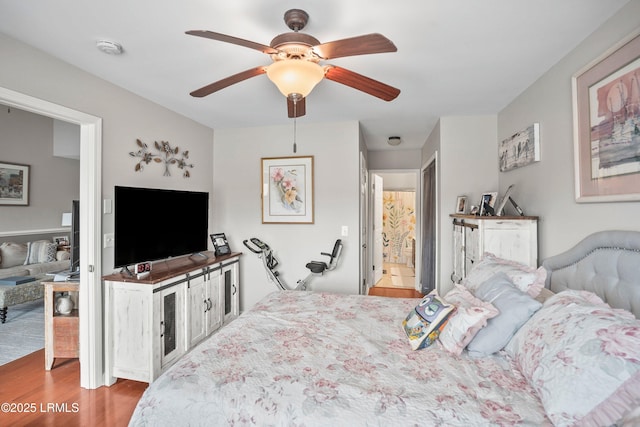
397, 276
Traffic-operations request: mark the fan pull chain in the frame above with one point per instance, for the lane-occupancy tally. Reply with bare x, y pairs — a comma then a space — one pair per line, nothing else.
295, 116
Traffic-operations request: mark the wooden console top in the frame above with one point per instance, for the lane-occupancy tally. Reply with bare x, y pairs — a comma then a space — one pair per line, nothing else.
163, 270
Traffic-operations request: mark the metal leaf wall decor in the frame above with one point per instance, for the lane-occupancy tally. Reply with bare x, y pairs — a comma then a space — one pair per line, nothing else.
166, 154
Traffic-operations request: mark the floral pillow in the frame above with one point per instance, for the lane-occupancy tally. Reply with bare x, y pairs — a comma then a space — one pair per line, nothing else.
582, 357
463, 324
527, 279
425, 322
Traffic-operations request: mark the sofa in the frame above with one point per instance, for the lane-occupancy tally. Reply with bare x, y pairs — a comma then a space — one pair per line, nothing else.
33, 259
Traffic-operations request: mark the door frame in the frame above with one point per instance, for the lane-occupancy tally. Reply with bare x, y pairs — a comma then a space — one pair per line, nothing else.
418, 211
436, 211
90, 295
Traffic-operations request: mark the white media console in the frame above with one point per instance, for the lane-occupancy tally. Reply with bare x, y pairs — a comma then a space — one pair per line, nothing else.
151, 322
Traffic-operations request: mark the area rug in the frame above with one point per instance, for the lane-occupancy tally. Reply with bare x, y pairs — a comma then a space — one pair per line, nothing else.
23, 332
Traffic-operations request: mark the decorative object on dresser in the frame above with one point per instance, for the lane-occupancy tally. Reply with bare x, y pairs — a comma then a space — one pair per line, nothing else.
287, 190
14, 184
606, 114
513, 238
151, 322
520, 149
166, 154
461, 205
487, 202
220, 244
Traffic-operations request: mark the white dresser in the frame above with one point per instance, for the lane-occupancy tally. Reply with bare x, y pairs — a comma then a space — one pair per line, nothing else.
510, 237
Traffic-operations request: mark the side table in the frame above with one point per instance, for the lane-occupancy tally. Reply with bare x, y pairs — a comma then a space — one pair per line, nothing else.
61, 330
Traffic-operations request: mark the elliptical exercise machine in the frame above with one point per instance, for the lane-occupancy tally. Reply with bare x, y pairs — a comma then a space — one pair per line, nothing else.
270, 263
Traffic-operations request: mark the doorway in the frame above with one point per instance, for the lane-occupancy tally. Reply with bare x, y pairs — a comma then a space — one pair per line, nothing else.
90, 295
395, 229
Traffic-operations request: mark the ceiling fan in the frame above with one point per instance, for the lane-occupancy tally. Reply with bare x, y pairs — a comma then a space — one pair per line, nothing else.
296, 65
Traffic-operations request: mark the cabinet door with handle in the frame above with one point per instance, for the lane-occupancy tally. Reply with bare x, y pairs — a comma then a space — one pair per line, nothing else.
171, 323
197, 306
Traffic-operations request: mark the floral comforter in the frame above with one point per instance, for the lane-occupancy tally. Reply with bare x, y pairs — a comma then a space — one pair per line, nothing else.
319, 359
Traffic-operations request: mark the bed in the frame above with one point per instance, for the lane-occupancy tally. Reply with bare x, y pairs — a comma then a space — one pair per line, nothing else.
313, 358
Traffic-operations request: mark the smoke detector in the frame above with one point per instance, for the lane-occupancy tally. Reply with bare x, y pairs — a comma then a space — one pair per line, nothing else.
394, 140
112, 48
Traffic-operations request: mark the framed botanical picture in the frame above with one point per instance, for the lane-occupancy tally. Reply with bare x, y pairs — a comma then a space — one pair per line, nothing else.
14, 184
287, 190
606, 115
461, 204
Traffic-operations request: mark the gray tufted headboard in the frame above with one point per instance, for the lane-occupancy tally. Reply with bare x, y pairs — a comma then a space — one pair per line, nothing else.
606, 263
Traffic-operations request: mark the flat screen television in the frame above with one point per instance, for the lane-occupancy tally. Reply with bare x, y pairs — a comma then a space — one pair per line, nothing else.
153, 224
74, 242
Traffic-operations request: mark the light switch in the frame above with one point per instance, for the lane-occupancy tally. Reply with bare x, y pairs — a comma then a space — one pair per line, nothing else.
106, 206
345, 231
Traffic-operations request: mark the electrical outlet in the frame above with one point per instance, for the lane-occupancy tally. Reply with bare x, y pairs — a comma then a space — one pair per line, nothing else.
109, 240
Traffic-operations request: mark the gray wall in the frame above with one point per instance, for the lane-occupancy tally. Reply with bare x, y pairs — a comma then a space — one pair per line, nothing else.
27, 138
125, 115
546, 188
238, 212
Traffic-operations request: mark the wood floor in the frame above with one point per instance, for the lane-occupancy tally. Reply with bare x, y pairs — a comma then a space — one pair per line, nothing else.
31, 396
397, 281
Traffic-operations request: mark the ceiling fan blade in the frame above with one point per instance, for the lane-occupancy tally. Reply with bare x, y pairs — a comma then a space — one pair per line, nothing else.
362, 83
300, 110
233, 40
221, 84
360, 45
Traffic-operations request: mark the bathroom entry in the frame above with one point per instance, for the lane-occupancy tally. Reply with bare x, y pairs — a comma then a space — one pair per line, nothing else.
395, 229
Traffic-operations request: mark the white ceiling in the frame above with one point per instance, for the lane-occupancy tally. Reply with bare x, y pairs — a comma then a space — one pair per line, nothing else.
455, 57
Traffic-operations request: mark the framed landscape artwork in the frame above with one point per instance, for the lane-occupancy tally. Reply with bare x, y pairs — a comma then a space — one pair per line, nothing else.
14, 184
287, 190
606, 112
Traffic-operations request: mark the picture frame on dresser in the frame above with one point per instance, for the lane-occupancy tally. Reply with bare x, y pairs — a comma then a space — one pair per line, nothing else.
14, 184
487, 202
461, 204
606, 117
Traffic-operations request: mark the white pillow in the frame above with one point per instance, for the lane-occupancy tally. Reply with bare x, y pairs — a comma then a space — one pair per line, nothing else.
12, 254
527, 279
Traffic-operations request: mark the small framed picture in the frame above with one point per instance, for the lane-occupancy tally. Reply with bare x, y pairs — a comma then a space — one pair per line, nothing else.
487, 203
61, 240
461, 204
220, 244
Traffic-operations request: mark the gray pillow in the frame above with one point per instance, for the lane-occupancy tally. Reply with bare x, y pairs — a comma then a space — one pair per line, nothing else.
40, 251
515, 308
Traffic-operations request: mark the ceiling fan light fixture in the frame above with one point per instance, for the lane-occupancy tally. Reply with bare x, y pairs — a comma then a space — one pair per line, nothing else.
295, 76
394, 141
